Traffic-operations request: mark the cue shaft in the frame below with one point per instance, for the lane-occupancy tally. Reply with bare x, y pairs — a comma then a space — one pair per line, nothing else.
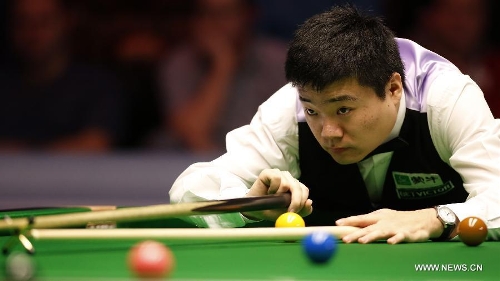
163, 211
223, 234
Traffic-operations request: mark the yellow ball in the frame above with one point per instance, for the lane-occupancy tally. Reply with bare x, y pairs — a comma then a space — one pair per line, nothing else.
290, 219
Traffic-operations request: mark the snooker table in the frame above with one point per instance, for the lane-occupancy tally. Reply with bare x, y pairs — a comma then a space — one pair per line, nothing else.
87, 259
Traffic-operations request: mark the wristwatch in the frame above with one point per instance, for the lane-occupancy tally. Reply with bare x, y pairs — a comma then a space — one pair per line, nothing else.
450, 223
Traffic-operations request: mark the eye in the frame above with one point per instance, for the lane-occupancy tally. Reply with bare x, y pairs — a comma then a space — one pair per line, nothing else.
343, 111
310, 112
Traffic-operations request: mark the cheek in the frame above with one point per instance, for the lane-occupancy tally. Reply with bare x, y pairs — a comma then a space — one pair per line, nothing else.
370, 121
376, 124
368, 128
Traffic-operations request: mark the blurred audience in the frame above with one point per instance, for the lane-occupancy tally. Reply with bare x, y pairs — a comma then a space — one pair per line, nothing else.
458, 30
51, 102
136, 55
131, 37
280, 18
216, 80
92, 75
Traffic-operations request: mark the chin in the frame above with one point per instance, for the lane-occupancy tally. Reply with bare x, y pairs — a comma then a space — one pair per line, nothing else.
346, 160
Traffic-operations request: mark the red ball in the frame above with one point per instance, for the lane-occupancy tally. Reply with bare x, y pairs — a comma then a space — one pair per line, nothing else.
151, 259
472, 231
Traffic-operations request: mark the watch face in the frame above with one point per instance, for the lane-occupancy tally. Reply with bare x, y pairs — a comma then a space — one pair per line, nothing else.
446, 214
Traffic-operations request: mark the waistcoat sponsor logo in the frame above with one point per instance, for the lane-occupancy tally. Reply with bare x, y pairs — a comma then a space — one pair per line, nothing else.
419, 186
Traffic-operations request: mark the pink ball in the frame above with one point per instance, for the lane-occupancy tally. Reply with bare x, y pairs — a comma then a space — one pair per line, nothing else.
151, 259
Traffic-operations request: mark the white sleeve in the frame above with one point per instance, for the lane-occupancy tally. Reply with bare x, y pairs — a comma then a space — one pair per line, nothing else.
269, 141
468, 138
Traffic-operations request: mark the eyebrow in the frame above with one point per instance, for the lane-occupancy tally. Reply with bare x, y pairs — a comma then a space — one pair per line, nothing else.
334, 99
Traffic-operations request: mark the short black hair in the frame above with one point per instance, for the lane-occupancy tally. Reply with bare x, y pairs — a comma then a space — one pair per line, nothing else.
343, 43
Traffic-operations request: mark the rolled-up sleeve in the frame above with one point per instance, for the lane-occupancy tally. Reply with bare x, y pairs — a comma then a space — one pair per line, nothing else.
269, 141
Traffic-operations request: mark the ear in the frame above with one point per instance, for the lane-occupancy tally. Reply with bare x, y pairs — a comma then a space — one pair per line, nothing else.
394, 88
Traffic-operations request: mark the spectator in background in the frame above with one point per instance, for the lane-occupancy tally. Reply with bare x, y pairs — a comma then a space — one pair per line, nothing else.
215, 82
136, 55
48, 100
457, 29
282, 17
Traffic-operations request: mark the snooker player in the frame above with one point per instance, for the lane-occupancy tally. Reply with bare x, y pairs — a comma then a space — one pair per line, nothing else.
377, 131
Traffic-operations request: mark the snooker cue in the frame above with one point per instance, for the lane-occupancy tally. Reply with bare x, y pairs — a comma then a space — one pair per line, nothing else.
182, 234
245, 204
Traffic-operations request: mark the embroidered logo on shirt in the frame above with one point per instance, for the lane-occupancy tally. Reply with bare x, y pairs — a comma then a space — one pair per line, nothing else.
419, 186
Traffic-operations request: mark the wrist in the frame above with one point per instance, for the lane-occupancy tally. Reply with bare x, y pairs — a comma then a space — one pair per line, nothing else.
436, 227
449, 223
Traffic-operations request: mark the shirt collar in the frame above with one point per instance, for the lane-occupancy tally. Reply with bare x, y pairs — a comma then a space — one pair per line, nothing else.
399, 119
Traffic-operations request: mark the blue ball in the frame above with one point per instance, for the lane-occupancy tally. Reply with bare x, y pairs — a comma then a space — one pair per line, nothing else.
319, 246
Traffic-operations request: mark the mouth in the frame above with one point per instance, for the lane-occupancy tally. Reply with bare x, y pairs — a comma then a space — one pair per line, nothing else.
337, 150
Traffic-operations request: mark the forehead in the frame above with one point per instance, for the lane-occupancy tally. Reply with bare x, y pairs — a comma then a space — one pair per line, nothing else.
345, 87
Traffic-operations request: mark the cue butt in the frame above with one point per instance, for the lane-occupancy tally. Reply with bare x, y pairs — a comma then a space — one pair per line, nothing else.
163, 211
221, 234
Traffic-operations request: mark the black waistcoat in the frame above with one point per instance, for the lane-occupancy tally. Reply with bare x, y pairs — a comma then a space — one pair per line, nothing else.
417, 178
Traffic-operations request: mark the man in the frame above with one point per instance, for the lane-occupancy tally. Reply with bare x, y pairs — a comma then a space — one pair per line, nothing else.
50, 102
221, 76
380, 132
471, 49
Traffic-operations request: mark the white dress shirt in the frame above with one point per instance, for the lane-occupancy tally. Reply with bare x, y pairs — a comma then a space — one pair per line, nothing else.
463, 130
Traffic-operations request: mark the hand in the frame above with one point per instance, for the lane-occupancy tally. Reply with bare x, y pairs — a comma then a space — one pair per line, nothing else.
272, 181
395, 226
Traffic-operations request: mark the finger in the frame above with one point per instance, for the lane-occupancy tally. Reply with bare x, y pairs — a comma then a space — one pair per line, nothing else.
307, 203
286, 180
353, 237
307, 209
267, 182
300, 192
359, 221
410, 236
398, 238
273, 179
364, 235
374, 235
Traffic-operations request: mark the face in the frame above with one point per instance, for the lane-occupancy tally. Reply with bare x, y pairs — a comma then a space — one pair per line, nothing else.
38, 29
349, 120
229, 19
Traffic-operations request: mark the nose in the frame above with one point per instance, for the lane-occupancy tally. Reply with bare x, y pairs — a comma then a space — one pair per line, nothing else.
331, 130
